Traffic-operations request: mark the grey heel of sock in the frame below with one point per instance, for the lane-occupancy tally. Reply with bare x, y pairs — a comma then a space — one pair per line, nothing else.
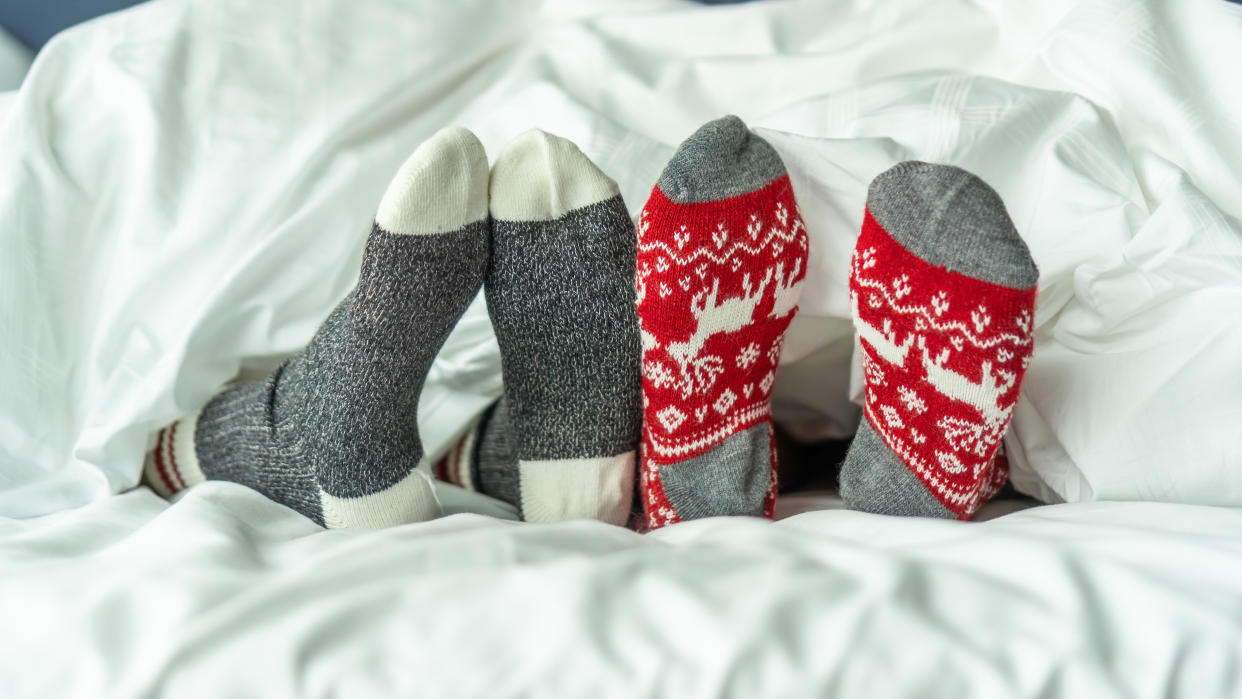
730, 480
874, 479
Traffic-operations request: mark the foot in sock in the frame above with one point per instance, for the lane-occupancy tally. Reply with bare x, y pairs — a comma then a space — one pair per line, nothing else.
942, 290
722, 254
332, 433
485, 458
560, 292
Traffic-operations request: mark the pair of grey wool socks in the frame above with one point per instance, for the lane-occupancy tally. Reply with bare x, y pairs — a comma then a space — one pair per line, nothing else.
332, 433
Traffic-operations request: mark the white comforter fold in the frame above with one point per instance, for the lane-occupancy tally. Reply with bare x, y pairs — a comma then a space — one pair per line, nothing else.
227, 591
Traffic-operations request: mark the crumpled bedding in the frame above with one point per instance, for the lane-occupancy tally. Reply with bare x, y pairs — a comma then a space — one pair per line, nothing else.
185, 188
228, 594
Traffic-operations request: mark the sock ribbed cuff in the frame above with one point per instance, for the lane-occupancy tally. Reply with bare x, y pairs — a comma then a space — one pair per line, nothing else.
173, 466
459, 464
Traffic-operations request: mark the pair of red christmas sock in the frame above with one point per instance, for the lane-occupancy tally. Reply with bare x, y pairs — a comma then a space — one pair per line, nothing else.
942, 290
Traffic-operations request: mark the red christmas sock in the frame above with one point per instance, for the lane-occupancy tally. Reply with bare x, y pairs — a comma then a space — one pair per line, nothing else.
721, 256
942, 289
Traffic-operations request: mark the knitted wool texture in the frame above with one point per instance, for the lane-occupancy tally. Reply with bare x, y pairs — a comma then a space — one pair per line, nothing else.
332, 432
721, 257
942, 291
560, 293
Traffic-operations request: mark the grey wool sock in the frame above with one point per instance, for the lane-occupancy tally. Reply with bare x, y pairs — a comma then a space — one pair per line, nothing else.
560, 292
942, 290
332, 433
485, 460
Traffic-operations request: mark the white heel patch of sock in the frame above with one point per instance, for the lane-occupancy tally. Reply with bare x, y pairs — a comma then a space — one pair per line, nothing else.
412, 499
556, 490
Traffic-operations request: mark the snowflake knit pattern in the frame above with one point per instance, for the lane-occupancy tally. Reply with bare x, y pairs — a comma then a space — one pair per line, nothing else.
943, 357
718, 284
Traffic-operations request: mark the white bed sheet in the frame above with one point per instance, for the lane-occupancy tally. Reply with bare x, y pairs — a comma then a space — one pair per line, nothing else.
227, 594
184, 190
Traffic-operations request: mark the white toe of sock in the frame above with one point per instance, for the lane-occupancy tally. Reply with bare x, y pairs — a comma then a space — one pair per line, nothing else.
540, 177
441, 187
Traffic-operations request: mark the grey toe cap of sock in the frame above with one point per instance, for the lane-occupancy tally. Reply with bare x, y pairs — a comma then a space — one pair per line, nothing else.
951, 218
722, 159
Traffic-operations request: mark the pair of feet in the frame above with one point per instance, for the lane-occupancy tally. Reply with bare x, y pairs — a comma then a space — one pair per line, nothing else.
333, 433
715, 280
942, 295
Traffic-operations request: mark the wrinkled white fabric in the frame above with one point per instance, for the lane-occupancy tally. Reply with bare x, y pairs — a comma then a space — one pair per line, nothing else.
184, 192
228, 594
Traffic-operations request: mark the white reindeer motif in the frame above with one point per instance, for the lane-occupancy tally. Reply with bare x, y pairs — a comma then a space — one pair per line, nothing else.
787, 290
883, 341
984, 394
711, 318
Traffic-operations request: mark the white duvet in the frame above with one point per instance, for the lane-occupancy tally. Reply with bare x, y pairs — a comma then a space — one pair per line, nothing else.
228, 595
184, 190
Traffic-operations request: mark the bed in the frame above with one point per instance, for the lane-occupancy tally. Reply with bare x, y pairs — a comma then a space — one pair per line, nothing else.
185, 187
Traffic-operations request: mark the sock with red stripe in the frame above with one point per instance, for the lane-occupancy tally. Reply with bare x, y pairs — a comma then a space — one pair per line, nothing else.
722, 254
332, 433
942, 290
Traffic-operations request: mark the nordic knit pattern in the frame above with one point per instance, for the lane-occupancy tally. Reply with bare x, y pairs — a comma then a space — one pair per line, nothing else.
942, 291
332, 433
722, 255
